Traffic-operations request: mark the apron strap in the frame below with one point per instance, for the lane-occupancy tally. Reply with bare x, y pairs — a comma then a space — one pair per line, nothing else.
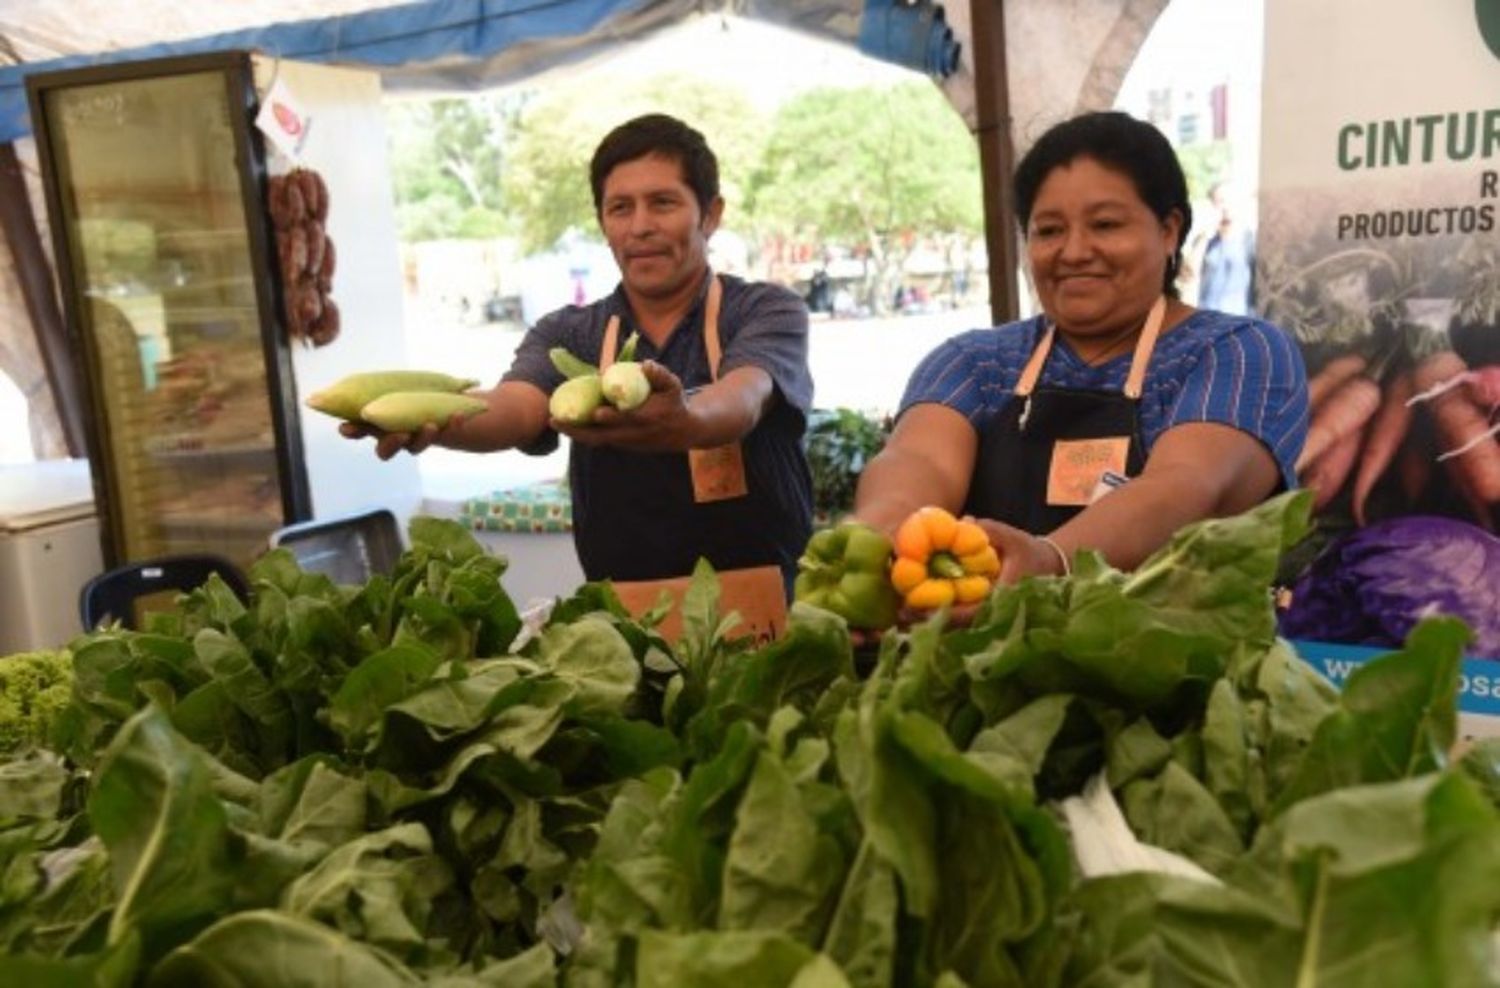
711, 326
1034, 366
1145, 345
710, 332
611, 339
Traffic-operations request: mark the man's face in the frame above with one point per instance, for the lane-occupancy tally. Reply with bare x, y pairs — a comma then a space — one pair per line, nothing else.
653, 224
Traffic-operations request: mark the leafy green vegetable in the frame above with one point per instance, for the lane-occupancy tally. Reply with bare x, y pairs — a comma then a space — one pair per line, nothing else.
377, 888
387, 784
269, 949
1397, 717
35, 687
839, 442
154, 808
730, 959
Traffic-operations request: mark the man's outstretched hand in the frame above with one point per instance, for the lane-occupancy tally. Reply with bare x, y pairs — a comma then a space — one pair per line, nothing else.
661, 424
388, 444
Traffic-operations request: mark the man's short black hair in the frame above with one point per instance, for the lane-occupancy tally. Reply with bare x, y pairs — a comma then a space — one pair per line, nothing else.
1130, 146
657, 133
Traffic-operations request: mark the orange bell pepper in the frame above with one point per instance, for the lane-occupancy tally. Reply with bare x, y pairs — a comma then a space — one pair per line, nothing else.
942, 560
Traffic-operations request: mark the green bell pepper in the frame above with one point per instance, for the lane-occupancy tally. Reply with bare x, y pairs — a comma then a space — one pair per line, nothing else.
846, 570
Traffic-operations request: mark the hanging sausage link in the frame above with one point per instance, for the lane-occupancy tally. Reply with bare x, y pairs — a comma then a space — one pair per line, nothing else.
298, 204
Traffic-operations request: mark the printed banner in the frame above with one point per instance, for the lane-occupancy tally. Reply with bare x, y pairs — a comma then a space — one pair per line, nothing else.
1379, 249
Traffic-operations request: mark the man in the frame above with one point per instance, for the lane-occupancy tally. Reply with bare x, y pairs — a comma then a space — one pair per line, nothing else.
712, 464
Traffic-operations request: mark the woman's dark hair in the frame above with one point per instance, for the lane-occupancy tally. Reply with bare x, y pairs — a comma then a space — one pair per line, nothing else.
657, 133
1119, 141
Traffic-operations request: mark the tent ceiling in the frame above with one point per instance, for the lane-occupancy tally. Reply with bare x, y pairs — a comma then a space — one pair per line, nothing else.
38, 30
432, 46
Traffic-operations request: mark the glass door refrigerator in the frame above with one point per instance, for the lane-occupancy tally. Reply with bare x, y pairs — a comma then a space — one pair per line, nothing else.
152, 174
174, 277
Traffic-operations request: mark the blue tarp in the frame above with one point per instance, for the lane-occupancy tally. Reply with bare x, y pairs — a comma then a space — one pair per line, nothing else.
453, 44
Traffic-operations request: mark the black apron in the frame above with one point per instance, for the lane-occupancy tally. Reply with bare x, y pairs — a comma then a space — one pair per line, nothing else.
718, 483
1019, 470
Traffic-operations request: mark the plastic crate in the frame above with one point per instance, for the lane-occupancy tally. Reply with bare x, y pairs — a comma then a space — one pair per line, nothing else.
349, 549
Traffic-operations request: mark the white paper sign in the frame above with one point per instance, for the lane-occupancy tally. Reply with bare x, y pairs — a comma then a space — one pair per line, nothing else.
283, 120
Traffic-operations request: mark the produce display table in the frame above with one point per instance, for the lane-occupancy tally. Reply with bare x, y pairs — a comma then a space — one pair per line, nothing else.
1110, 772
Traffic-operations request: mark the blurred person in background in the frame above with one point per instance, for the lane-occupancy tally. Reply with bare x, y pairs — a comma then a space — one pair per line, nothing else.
1226, 273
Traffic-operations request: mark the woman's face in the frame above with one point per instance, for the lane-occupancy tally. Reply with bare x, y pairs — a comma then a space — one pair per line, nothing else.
1098, 253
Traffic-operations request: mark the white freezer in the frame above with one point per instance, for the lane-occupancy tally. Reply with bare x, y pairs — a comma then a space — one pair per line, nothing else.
49, 548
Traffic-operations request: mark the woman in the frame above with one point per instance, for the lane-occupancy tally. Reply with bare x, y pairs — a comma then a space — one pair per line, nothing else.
1119, 415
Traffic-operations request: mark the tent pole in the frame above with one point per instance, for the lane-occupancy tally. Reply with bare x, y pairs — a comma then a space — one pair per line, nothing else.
35, 277
996, 153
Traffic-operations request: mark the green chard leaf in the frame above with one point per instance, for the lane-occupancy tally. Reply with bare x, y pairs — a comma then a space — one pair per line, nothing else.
594, 657
268, 949
51, 901
731, 959
1175, 812
1146, 929
154, 807
1142, 637
862, 935
229, 662
32, 786
780, 871
796, 669
115, 966
380, 681
310, 800
1481, 764
1395, 883
377, 888
1397, 717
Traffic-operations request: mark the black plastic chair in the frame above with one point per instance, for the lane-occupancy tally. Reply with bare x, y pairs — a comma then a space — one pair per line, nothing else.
110, 596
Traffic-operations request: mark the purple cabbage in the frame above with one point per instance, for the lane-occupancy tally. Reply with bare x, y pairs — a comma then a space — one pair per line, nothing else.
1371, 586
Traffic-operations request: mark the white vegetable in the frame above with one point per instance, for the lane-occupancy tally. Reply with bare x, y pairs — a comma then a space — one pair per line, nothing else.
574, 400
625, 385
1103, 843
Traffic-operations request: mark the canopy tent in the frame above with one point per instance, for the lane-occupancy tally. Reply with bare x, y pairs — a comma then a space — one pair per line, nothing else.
1008, 66
448, 45
434, 46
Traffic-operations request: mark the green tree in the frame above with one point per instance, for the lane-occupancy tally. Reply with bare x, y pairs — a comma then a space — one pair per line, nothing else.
870, 168
446, 161
1203, 164
546, 181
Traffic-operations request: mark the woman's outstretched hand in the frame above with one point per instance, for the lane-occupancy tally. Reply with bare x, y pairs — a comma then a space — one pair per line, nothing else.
1021, 553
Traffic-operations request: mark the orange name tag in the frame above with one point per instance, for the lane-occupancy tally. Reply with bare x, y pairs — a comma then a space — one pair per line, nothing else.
758, 594
718, 473
1077, 465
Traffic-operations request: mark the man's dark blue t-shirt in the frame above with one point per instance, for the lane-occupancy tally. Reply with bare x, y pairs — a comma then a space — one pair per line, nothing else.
634, 517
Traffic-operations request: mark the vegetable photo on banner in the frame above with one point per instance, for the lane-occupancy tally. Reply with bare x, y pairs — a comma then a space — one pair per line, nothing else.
1463, 404
1344, 397
1417, 403
1387, 431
